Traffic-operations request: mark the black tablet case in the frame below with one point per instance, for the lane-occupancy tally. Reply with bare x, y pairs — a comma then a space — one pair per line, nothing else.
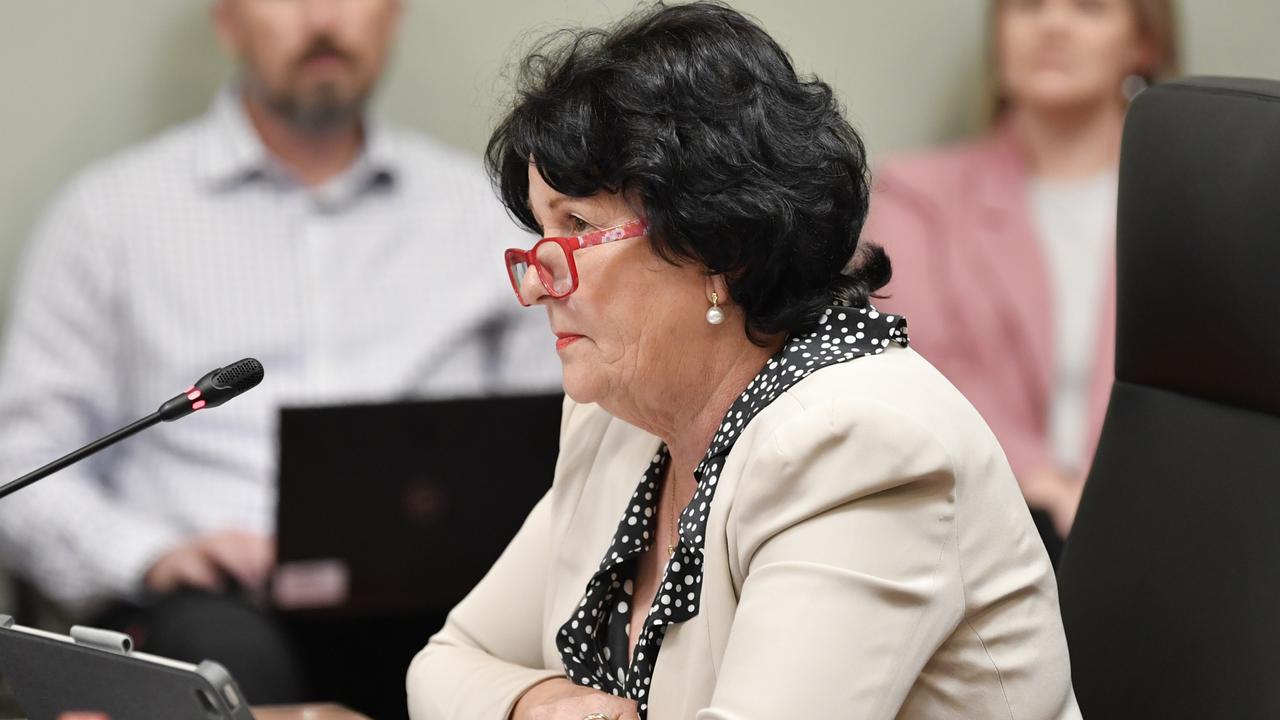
51, 676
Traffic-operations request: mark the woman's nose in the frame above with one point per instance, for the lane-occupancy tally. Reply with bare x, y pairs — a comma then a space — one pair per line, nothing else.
531, 289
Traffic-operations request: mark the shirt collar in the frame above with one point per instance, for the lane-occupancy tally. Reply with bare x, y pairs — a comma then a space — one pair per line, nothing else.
230, 150
380, 148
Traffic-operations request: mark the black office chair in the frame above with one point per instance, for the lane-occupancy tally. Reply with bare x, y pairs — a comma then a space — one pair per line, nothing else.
1170, 582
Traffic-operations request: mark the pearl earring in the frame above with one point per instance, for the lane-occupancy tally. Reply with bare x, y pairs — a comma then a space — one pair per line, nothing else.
1132, 85
715, 315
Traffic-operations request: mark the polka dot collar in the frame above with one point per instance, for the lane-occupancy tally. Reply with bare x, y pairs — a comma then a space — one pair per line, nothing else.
594, 643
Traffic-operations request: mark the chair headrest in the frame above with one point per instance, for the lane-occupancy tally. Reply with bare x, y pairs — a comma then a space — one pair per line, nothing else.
1198, 241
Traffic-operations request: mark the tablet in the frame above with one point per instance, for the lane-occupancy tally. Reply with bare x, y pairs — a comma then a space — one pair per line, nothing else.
97, 670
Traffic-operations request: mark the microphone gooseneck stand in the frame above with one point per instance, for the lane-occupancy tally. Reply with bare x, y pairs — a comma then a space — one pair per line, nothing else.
215, 388
78, 455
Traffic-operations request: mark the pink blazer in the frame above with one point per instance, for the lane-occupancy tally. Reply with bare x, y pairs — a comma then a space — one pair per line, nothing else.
969, 276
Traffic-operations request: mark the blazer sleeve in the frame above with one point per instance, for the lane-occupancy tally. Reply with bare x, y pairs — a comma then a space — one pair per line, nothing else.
842, 527
490, 649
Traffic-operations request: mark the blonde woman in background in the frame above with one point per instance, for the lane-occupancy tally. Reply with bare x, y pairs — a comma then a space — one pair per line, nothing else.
1003, 246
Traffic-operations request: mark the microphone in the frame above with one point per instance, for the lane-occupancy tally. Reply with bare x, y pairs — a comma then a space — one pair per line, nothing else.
215, 388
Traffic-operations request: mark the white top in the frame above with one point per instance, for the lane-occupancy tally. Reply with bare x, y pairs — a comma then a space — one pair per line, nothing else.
196, 249
1076, 223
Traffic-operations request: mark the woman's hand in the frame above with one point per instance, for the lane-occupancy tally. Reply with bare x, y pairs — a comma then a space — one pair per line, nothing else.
1057, 492
559, 699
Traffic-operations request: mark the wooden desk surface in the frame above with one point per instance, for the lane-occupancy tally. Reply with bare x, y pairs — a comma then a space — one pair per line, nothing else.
327, 711
316, 711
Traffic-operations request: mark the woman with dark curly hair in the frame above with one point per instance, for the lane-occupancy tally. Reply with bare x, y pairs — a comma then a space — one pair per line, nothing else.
766, 505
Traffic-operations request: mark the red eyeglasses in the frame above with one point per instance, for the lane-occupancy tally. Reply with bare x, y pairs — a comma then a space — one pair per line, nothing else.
553, 258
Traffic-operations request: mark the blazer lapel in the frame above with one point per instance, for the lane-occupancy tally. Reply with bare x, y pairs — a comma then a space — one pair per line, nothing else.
1014, 262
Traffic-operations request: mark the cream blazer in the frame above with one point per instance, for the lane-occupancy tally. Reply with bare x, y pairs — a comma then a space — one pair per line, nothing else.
868, 555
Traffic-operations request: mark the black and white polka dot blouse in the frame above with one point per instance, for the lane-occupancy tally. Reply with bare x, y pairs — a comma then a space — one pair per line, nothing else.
594, 642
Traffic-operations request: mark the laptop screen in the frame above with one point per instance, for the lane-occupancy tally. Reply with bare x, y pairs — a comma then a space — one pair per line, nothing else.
403, 507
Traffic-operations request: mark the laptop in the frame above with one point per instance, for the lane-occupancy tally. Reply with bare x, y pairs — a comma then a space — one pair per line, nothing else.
401, 508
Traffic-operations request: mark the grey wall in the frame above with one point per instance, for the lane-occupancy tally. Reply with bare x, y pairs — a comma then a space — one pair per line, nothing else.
80, 79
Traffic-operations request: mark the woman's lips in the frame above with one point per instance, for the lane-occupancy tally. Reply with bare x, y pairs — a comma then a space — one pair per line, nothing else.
564, 341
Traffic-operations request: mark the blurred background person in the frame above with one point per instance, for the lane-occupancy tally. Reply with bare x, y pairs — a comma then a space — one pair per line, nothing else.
1003, 246
285, 224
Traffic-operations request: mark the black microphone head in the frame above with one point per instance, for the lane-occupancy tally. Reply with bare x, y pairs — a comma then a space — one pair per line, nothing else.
239, 376
216, 387
227, 382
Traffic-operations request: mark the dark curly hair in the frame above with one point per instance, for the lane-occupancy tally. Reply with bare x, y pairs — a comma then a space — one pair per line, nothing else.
740, 164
